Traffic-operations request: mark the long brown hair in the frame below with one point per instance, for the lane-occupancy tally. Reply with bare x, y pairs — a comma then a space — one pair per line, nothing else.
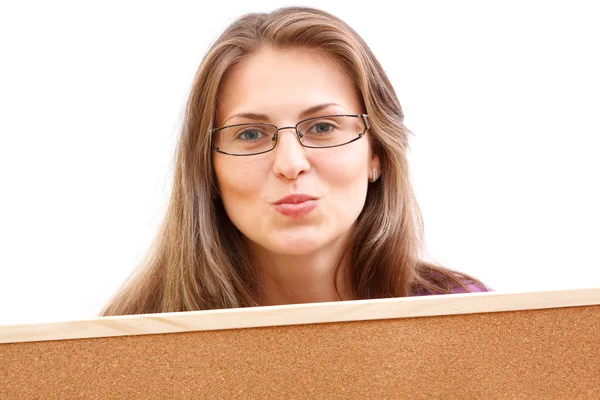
198, 260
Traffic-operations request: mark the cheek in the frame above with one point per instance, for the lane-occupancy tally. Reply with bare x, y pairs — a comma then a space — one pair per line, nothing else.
241, 181
239, 174
346, 175
345, 168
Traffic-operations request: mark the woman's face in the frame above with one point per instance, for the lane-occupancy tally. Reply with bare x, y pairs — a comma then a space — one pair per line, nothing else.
281, 84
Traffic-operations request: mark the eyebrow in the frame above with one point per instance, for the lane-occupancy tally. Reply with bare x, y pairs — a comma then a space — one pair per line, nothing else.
302, 115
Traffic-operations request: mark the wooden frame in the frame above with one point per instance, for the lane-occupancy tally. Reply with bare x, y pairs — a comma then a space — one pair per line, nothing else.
477, 345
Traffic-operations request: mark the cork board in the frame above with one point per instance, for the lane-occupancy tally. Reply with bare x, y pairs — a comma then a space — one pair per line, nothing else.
481, 345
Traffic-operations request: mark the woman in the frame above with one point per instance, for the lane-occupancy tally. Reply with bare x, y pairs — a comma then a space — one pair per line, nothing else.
291, 181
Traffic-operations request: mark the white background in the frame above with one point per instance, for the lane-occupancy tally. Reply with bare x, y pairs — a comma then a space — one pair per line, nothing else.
503, 98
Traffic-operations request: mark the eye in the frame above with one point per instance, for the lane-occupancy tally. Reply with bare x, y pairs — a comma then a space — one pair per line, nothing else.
250, 134
322, 127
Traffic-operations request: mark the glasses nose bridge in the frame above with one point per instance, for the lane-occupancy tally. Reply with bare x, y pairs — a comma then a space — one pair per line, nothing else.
286, 127
276, 136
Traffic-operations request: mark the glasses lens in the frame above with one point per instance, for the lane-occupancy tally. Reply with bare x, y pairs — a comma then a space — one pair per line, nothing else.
245, 139
330, 131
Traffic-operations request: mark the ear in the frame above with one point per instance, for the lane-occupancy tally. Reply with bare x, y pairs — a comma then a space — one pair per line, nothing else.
374, 167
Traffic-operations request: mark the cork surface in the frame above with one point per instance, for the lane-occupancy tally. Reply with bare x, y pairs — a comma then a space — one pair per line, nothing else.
527, 354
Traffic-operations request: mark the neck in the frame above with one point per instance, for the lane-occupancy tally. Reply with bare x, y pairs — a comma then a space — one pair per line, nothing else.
294, 279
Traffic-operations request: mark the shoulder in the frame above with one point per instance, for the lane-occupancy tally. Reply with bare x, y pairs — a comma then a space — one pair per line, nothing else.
431, 279
472, 288
456, 289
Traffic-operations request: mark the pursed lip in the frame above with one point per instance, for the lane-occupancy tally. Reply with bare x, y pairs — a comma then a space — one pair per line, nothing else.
296, 205
295, 199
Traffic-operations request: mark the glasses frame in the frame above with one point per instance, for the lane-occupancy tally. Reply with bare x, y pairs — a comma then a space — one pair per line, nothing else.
275, 137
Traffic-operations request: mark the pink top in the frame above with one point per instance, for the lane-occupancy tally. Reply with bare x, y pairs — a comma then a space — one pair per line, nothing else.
473, 288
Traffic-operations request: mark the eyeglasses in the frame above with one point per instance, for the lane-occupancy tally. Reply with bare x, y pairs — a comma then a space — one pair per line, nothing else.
319, 132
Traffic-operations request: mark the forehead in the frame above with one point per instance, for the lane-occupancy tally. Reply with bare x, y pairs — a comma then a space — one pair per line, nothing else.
283, 82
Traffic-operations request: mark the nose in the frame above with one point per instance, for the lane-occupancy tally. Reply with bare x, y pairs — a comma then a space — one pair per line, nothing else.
290, 157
